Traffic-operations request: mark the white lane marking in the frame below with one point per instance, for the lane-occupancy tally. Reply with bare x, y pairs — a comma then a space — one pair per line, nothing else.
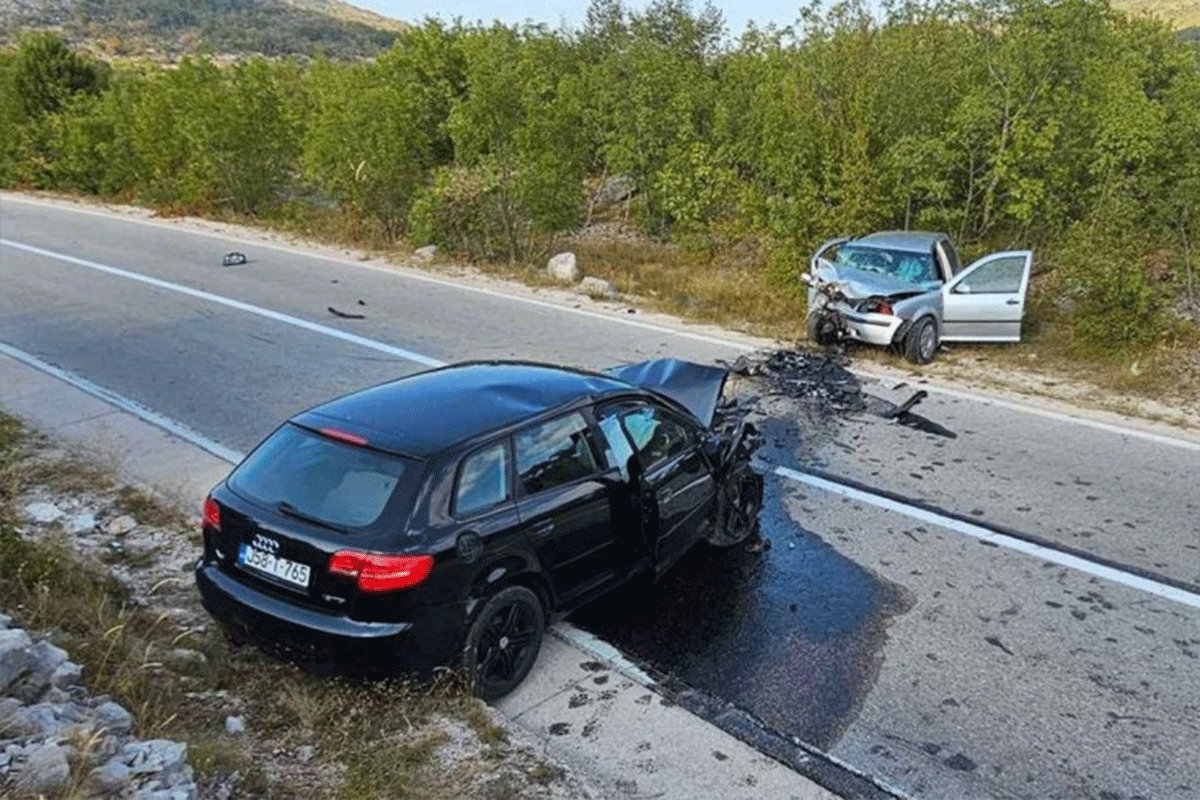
167, 424
411, 274
1062, 416
249, 308
1068, 560
599, 648
403, 272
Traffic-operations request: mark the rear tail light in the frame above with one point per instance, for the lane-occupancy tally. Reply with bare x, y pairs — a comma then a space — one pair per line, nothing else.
212, 514
380, 573
882, 308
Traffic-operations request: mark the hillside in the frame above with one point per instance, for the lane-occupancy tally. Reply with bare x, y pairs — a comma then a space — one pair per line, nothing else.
1180, 14
167, 30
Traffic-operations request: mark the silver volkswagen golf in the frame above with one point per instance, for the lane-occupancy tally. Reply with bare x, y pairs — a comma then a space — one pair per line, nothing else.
907, 289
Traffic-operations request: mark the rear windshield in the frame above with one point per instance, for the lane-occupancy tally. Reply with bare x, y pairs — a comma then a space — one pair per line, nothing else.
322, 479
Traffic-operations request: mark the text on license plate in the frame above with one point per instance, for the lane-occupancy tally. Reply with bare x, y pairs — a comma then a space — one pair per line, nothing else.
281, 568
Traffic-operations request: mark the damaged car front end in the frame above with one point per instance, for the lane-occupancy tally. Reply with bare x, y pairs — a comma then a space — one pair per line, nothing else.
730, 441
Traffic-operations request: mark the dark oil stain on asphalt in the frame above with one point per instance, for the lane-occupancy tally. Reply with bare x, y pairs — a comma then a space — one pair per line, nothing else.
790, 635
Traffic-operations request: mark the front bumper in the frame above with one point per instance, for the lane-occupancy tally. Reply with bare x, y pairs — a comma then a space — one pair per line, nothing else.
316, 640
869, 327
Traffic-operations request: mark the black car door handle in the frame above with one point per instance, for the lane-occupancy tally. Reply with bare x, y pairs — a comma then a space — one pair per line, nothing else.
544, 528
1013, 302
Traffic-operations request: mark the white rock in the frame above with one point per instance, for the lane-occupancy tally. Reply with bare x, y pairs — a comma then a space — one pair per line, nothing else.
615, 189
45, 772
38, 720
183, 658
305, 753
5, 621
43, 512
597, 287
113, 718
14, 656
563, 267
165, 759
235, 726
426, 254
121, 525
110, 778
80, 523
66, 675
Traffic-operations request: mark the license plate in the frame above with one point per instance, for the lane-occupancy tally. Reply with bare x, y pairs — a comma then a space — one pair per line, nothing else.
284, 569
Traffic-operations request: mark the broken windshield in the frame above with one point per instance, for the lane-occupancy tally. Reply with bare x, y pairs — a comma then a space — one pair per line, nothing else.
906, 265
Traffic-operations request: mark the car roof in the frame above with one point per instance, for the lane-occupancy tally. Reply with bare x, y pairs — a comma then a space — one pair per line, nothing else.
914, 241
422, 415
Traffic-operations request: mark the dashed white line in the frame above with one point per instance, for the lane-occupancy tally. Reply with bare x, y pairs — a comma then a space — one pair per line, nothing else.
249, 308
1071, 561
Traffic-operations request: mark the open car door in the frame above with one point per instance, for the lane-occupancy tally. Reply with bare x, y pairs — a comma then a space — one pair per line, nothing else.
986, 301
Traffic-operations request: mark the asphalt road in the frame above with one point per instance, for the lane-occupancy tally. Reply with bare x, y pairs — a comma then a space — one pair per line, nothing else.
939, 665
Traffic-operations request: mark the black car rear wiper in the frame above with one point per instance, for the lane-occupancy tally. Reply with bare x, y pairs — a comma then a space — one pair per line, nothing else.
287, 508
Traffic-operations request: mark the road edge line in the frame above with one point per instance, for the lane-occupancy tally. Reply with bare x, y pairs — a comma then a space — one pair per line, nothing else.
1132, 578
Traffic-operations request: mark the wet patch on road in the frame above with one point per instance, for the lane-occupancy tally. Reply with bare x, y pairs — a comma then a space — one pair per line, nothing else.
792, 635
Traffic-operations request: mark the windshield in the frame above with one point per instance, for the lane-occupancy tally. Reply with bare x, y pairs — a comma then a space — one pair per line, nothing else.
903, 264
325, 481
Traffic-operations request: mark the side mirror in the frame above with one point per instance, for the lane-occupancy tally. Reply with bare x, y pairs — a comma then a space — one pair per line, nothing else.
712, 446
962, 288
807, 279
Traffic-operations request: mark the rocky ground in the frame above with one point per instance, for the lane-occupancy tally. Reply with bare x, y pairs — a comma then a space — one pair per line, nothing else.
56, 737
158, 706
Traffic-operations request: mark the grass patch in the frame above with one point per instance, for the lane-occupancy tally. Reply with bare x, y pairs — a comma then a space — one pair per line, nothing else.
148, 509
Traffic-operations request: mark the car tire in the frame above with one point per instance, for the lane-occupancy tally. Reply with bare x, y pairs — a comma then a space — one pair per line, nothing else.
921, 342
740, 508
503, 642
821, 329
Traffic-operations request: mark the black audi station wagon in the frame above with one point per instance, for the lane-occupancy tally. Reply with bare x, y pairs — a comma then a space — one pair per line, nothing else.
440, 519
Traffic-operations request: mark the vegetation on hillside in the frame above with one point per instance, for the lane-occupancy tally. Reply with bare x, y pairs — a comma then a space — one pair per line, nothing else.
1180, 14
167, 29
1063, 126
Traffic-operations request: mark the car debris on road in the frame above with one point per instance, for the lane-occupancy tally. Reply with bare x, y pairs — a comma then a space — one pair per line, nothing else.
233, 259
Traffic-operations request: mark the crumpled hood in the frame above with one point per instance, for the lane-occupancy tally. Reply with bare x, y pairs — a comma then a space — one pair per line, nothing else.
857, 284
696, 387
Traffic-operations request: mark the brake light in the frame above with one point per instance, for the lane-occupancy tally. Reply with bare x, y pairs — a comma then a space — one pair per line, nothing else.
883, 308
343, 436
212, 514
381, 573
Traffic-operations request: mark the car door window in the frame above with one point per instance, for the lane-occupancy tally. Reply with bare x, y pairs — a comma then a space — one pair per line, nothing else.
553, 453
655, 435
482, 480
1001, 276
617, 451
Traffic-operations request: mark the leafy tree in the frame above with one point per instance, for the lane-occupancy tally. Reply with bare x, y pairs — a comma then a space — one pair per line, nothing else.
375, 130
47, 74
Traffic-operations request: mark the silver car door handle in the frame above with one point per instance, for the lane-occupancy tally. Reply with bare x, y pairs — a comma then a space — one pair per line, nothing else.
544, 528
